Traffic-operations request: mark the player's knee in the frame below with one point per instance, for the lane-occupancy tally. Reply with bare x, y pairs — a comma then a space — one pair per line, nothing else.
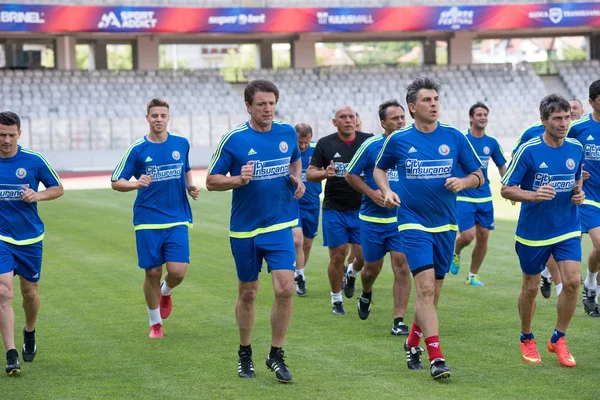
426, 290
338, 256
153, 274
467, 236
284, 291
483, 235
530, 289
6, 295
29, 293
298, 242
248, 295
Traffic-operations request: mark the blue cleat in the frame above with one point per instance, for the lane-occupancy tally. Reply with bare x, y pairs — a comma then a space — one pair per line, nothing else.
474, 281
455, 266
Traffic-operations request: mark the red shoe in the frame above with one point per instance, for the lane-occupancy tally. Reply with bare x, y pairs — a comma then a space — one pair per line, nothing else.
530, 353
156, 331
563, 354
166, 305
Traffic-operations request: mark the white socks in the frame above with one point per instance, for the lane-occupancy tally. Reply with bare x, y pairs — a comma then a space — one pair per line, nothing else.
471, 275
299, 272
165, 290
558, 289
154, 316
590, 281
351, 272
335, 297
546, 273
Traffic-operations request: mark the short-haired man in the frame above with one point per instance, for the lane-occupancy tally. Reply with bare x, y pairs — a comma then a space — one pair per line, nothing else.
587, 131
310, 207
260, 161
545, 176
161, 213
21, 234
427, 155
576, 109
475, 207
379, 224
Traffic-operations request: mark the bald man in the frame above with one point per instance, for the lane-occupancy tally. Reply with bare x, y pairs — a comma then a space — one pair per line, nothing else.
340, 220
576, 109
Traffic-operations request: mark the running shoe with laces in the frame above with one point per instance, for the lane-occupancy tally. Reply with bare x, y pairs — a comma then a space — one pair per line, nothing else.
300, 285
455, 266
546, 287
413, 356
156, 331
338, 308
12, 363
277, 365
530, 352
589, 302
439, 369
349, 286
400, 329
561, 351
364, 306
29, 346
245, 365
474, 281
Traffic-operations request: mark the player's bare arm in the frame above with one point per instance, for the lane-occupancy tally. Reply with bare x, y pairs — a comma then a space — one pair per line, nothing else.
515, 193
222, 183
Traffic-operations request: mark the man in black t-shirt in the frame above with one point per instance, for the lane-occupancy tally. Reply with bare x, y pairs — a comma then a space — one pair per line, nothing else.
340, 207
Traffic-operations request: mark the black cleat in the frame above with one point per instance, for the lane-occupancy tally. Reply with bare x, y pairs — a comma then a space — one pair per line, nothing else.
338, 308
439, 369
12, 363
413, 356
364, 307
29, 346
589, 302
277, 365
349, 286
400, 329
245, 365
300, 286
596, 312
546, 287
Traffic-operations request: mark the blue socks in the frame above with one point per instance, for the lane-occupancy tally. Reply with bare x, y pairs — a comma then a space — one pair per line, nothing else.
526, 336
556, 335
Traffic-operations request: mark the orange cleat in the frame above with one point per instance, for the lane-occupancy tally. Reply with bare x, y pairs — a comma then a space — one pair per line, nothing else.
156, 331
530, 353
563, 354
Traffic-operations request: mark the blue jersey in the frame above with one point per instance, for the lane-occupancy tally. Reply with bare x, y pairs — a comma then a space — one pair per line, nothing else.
311, 197
266, 203
486, 148
164, 203
587, 132
534, 130
20, 223
424, 162
363, 164
534, 165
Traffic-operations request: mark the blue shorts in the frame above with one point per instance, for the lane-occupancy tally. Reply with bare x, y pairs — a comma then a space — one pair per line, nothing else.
424, 249
470, 214
25, 261
377, 239
340, 228
276, 248
158, 246
590, 217
308, 220
533, 259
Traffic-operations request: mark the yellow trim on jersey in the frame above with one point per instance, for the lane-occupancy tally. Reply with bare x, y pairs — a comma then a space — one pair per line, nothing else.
268, 229
419, 227
121, 165
403, 129
161, 226
574, 141
473, 199
23, 242
548, 242
513, 163
35, 153
525, 130
361, 150
221, 144
377, 220
591, 203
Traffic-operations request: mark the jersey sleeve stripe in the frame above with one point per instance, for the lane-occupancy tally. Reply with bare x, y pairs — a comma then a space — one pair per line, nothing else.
121, 165
515, 160
221, 144
361, 150
52, 171
578, 122
384, 146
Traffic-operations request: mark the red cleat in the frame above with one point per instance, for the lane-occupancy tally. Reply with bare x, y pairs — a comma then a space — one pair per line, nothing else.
530, 353
156, 331
166, 305
563, 354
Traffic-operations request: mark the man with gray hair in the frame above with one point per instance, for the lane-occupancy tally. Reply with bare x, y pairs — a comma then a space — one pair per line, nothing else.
330, 160
545, 176
309, 208
427, 156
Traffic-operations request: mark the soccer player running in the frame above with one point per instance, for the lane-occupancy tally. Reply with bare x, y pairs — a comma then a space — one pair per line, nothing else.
330, 160
427, 156
545, 176
587, 131
474, 206
161, 213
21, 234
576, 109
263, 161
379, 224
309, 204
